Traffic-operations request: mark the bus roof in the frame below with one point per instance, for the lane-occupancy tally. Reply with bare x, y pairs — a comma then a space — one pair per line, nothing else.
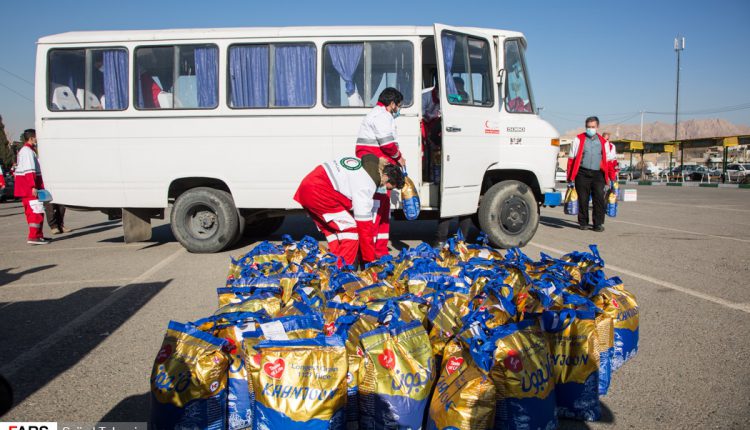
251, 32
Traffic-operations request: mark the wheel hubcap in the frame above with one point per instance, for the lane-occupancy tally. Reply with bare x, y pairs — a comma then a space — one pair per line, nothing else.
202, 221
514, 215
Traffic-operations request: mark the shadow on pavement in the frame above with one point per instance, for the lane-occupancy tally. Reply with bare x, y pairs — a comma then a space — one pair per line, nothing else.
30, 323
11, 214
607, 418
130, 409
6, 277
81, 232
557, 222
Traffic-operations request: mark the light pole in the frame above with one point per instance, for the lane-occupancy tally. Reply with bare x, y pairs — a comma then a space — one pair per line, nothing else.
679, 45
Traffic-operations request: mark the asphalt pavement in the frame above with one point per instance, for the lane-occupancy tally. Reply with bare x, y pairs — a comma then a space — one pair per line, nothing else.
81, 319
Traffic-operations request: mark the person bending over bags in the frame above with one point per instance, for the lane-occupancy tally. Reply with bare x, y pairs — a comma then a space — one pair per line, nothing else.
335, 189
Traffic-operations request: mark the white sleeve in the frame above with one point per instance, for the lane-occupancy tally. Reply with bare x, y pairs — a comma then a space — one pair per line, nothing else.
362, 201
611, 151
574, 148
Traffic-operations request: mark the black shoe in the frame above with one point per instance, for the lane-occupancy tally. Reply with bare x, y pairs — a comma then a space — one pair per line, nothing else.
598, 228
583, 226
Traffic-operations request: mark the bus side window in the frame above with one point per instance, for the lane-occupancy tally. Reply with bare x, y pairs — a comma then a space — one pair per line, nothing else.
177, 77
90, 79
257, 82
518, 96
354, 74
66, 76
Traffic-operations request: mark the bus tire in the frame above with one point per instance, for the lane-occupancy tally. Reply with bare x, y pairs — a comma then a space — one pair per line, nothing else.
509, 214
205, 220
263, 227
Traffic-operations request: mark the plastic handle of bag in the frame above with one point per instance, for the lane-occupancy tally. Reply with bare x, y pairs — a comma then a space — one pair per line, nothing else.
560, 320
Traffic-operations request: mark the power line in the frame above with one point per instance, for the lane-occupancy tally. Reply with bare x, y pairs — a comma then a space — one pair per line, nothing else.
16, 92
16, 76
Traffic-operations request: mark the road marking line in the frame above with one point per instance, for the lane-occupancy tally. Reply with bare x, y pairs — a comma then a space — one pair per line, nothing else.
19, 363
680, 231
714, 208
744, 307
46, 248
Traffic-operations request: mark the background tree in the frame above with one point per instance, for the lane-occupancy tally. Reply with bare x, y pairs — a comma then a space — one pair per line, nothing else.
7, 154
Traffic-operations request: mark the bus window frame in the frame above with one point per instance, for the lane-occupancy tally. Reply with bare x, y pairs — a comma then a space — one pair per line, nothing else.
228, 98
364, 42
441, 62
86, 78
175, 56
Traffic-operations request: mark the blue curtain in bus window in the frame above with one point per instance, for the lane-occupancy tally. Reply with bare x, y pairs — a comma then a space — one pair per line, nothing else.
206, 73
248, 72
115, 69
345, 58
449, 48
294, 75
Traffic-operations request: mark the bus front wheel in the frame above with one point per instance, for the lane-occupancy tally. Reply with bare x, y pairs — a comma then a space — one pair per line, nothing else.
205, 220
509, 214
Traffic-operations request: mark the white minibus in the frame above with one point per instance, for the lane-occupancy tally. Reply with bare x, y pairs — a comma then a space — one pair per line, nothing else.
220, 125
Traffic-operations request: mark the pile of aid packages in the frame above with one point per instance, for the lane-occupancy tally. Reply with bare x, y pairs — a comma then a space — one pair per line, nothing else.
463, 337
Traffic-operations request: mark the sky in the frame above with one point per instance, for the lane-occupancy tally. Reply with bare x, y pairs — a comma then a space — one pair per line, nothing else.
609, 58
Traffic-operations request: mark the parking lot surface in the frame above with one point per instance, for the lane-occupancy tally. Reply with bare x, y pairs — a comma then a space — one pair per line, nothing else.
83, 318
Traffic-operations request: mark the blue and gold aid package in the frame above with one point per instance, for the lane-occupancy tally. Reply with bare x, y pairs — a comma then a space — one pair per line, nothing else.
396, 376
301, 384
189, 380
464, 396
575, 359
524, 377
232, 327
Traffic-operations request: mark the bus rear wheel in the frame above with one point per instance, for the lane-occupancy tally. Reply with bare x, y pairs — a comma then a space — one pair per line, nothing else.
205, 220
509, 214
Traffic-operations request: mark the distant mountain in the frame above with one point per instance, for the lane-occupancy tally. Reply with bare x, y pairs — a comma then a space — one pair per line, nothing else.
661, 132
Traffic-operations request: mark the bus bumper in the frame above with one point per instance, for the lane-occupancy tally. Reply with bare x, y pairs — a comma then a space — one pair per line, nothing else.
552, 199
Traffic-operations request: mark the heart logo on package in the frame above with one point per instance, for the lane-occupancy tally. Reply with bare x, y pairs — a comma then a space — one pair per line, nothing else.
275, 369
453, 364
387, 359
513, 361
164, 353
330, 328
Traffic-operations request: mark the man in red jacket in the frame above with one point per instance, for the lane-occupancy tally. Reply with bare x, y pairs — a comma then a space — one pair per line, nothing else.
589, 168
28, 181
377, 136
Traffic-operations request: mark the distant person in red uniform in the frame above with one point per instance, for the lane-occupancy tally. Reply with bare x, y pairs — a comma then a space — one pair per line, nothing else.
28, 181
377, 136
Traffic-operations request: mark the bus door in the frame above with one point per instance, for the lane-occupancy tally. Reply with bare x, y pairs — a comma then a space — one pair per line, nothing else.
470, 118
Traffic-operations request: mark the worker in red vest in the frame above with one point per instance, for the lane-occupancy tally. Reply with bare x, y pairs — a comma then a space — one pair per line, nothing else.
377, 136
589, 168
28, 181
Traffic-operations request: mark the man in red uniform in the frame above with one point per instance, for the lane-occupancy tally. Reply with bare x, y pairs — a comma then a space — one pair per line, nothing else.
28, 180
335, 188
589, 167
377, 136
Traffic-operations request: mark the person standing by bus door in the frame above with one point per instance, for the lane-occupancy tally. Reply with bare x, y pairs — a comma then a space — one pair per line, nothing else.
28, 180
588, 169
335, 188
377, 135
56, 217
